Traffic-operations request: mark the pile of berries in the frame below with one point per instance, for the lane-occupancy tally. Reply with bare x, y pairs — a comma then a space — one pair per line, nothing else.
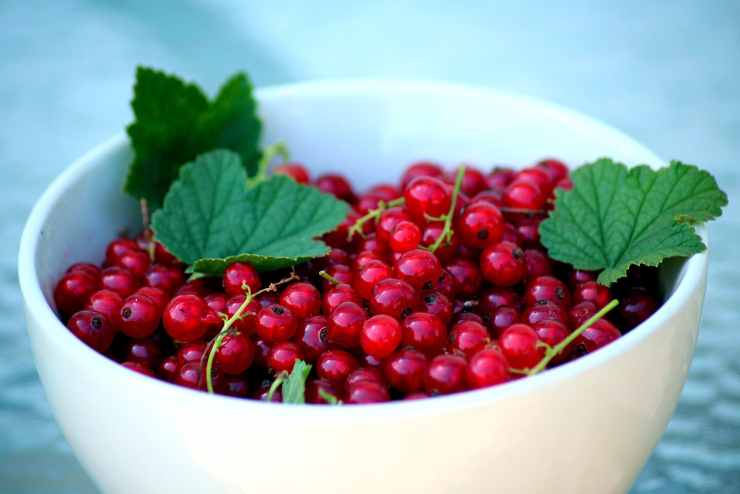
434, 285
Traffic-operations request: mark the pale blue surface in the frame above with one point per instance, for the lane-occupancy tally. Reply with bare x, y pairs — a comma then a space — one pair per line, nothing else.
665, 72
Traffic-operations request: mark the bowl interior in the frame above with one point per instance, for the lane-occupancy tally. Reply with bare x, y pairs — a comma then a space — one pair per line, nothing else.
366, 130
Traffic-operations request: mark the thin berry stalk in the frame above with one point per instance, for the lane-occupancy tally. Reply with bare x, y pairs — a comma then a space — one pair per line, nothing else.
373, 214
446, 235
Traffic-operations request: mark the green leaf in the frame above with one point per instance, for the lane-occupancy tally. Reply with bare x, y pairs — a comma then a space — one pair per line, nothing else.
294, 386
616, 216
210, 218
174, 122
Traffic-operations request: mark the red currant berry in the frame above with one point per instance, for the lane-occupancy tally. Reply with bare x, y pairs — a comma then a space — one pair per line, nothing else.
592, 292
239, 274
544, 310
168, 368
480, 224
235, 354
341, 273
119, 280
486, 368
139, 316
521, 346
393, 297
313, 337
466, 277
437, 304
276, 323
556, 168
578, 276
537, 263
282, 356
345, 325
302, 299
421, 169
185, 318
446, 374
108, 303
236, 386
600, 334
364, 258
246, 323
427, 196
524, 195
366, 203
190, 353
425, 332
367, 392
73, 291
551, 332
503, 264
445, 284
580, 313
137, 367
365, 374
189, 376
216, 302
418, 268
119, 247
85, 267
547, 288
405, 236
314, 389
135, 261
335, 366
200, 287
336, 185
380, 336
637, 305
503, 317
147, 352
388, 221
336, 295
296, 171
163, 256
93, 329
469, 337
473, 180
429, 236
368, 276
536, 176
166, 278
493, 298
500, 177
406, 370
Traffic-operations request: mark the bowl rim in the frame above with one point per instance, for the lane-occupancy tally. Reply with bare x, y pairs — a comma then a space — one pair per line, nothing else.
48, 322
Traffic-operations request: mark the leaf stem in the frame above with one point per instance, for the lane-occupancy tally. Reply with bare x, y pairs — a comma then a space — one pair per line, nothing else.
551, 352
373, 214
446, 235
329, 278
248, 297
269, 154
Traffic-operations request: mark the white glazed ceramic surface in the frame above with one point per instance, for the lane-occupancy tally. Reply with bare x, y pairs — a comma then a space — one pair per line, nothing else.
586, 427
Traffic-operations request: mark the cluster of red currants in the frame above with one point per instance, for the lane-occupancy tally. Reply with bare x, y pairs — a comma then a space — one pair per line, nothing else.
436, 285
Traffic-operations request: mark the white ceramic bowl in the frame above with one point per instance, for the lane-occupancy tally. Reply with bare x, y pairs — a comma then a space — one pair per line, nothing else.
585, 427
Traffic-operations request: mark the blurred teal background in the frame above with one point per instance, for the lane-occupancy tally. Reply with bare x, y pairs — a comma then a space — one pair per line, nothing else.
666, 72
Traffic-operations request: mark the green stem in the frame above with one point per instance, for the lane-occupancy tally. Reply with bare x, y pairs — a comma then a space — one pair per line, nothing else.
329, 277
269, 154
373, 214
553, 351
329, 398
447, 233
279, 380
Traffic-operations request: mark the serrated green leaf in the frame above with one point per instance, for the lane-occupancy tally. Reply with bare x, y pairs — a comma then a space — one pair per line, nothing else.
616, 217
211, 219
174, 122
294, 386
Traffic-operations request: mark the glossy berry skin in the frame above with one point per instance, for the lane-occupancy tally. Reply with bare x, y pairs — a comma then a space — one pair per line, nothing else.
469, 337
446, 374
547, 288
156, 295
345, 325
481, 224
235, 354
247, 322
503, 317
85, 267
393, 297
216, 302
313, 337
238, 274
418, 268
521, 346
139, 316
282, 356
556, 168
500, 177
544, 310
168, 368
189, 376
488, 367
118, 248
190, 353
365, 374
466, 277
426, 196
437, 304
296, 171
341, 273
578, 276
335, 366
235, 386
405, 236
536, 176
380, 336
313, 396
425, 332
538, 264
473, 180
366, 392
166, 278
146, 351
406, 370
581, 312
336, 295
93, 329
600, 334
140, 368
503, 264
636, 306
276, 323
421, 169
302, 299
136, 261
429, 236
524, 195
388, 221
107, 303
368, 276
494, 298
591, 291
186, 318
336, 185
551, 332
119, 280
73, 291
